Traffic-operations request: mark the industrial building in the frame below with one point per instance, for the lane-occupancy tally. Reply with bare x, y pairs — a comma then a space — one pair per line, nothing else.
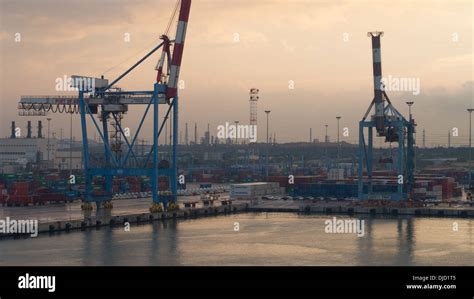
24, 149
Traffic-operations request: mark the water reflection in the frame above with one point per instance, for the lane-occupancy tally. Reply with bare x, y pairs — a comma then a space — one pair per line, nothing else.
263, 239
365, 243
87, 249
107, 249
163, 243
398, 233
406, 241
155, 243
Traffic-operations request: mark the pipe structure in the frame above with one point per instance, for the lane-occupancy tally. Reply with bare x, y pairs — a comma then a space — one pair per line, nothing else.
186, 137
13, 130
28, 129
40, 129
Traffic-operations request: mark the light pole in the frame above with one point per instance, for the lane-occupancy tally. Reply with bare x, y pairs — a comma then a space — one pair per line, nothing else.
338, 144
266, 156
267, 112
326, 140
409, 103
70, 145
236, 130
166, 134
49, 120
470, 145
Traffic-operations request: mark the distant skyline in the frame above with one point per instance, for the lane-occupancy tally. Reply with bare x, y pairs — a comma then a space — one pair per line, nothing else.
311, 60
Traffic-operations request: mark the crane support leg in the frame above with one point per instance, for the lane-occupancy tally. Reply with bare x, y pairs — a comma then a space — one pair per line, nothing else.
154, 178
174, 172
108, 178
85, 146
400, 171
362, 157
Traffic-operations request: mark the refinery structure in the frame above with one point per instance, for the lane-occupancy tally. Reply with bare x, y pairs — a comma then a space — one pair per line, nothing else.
44, 169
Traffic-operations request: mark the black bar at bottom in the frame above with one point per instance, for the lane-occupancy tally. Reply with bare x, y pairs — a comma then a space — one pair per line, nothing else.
218, 282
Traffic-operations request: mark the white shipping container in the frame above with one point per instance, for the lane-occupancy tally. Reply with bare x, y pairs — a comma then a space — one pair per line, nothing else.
254, 189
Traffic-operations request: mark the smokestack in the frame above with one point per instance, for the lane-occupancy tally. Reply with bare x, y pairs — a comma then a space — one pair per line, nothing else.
377, 73
28, 128
13, 130
195, 133
208, 135
40, 128
186, 140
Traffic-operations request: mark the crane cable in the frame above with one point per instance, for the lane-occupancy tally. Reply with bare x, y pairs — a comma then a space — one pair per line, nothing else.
173, 16
170, 22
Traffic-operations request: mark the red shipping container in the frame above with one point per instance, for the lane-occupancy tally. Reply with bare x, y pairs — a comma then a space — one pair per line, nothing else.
19, 200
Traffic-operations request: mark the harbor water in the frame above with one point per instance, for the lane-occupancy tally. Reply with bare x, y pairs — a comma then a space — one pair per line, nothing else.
259, 239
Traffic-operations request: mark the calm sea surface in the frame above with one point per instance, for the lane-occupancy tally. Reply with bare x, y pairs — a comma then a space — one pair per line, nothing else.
262, 239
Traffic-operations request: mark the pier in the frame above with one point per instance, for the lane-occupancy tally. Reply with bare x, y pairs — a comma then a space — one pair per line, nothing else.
69, 216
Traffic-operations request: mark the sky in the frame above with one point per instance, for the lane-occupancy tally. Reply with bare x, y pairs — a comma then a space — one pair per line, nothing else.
311, 60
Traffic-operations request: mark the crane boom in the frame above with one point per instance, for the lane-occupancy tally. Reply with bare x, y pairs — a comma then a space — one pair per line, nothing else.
178, 49
41, 105
378, 89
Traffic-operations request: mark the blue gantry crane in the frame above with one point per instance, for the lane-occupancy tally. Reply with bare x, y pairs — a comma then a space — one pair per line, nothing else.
102, 102
388, 122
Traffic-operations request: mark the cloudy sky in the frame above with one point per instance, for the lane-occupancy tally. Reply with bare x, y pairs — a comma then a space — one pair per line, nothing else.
320, 48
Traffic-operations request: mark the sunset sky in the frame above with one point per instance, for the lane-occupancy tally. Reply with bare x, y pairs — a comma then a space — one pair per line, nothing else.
231, 46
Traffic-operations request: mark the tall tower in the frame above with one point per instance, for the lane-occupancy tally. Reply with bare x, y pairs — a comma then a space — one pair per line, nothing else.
40, 129
195, 133
186, 137
253, 106
424, 138
13, 135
